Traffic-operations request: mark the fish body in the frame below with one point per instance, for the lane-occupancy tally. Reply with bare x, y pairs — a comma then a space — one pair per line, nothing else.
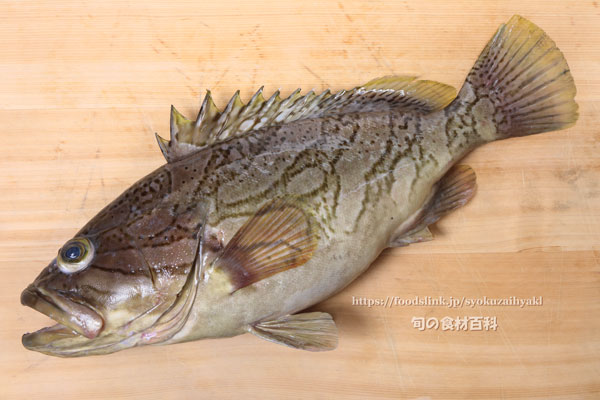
335, 171
270, 207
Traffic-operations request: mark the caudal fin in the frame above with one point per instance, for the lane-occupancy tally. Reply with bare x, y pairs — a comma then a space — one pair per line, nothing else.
526, 78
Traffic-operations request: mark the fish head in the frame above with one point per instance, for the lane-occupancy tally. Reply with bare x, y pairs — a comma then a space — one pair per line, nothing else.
109, 285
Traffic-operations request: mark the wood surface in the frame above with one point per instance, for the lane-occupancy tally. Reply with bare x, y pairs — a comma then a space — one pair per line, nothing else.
84, 86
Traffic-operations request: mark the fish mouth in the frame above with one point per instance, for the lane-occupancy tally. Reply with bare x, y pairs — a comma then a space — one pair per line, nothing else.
74, 319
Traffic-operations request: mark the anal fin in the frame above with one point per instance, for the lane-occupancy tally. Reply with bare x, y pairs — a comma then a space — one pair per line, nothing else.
453, 191
315, 331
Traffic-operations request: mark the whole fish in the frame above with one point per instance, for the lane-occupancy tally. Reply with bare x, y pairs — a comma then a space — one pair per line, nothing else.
269, 207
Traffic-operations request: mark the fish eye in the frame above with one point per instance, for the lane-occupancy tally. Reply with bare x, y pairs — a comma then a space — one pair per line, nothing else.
75, 255
73, 252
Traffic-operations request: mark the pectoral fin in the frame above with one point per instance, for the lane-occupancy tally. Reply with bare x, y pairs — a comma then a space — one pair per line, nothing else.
315, 331
278, 237
453, 191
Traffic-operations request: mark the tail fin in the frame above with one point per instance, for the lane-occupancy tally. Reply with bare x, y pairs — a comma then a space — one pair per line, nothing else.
527, 79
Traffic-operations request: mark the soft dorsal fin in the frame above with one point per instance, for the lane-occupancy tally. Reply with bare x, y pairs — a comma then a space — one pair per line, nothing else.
422, 95
381, 94
278, 237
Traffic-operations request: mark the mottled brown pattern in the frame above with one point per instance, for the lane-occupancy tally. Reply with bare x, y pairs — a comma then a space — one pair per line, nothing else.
362, 168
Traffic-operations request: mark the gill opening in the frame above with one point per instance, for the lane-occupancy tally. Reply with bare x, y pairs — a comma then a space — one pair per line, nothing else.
175, 317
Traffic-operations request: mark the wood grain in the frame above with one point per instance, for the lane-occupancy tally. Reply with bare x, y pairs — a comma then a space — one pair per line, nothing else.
84, 86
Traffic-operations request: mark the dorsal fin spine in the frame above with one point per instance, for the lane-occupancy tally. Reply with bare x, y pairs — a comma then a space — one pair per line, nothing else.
163, 144
177, 122
230, 112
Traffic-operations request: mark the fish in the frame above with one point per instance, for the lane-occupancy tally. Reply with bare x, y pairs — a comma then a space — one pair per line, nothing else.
269, 207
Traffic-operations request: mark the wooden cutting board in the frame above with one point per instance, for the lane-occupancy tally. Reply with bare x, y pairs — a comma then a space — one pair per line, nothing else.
84, 86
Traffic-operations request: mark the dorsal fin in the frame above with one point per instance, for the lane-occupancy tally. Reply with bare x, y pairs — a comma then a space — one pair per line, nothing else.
382, 94
425, 96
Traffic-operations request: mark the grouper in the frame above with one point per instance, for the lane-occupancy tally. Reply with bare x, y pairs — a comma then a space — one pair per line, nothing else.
271, 206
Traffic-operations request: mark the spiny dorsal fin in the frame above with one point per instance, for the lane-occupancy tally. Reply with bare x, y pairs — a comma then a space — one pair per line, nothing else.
382, 94
278, 237
182, 132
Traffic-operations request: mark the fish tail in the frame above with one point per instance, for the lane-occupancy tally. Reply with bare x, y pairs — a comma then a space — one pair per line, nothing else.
521, 82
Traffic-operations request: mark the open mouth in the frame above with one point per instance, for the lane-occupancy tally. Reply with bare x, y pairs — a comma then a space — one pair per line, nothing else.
73, 319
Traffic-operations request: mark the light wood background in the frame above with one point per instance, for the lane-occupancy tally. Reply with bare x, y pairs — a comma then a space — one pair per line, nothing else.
84, 86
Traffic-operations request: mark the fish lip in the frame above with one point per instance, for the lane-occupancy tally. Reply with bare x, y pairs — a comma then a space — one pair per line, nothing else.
43, 338
80, 319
